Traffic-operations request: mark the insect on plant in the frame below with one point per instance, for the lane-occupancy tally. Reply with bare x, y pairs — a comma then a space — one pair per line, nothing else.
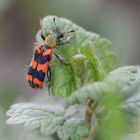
39, 67
89, 79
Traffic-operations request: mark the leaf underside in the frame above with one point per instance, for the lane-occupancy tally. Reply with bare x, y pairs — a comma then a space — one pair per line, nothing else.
49, 120
73, 129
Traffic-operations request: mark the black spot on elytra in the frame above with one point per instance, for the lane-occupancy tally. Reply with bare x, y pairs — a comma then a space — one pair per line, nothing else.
40, 75
41, 59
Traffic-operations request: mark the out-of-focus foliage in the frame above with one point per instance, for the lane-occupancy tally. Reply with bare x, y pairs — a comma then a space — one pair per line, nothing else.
4, 5
96, 51
8, 98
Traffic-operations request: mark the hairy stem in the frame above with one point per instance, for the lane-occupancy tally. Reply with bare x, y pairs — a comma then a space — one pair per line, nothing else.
88, 113
92, 132
90, 108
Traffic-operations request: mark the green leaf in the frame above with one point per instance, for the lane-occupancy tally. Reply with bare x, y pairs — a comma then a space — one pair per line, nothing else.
47, 118
113, 124
65, 79
93, 63
107, 58
118, 97
74, 129
124, 81
118, 117
78, 63
93, 91
86, 65
131, 110
15, 133
121, 106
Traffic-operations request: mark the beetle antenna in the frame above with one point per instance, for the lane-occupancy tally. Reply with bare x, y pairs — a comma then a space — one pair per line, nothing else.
54, 22
42, 35
70, 31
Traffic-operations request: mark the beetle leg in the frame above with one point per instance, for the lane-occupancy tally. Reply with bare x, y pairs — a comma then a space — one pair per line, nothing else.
49, 79
60, 59
63, 42
66, 41
49, 73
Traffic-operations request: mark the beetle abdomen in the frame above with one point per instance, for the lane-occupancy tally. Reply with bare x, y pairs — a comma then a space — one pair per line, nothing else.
38, 67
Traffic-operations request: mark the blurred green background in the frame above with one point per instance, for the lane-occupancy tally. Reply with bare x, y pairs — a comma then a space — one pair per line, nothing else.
117, 20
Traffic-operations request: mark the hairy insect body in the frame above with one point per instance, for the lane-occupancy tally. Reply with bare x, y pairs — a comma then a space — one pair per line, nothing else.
51, 40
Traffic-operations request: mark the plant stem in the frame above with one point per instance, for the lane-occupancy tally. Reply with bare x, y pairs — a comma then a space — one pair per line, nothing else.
90, 108
88, 113
92, 132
